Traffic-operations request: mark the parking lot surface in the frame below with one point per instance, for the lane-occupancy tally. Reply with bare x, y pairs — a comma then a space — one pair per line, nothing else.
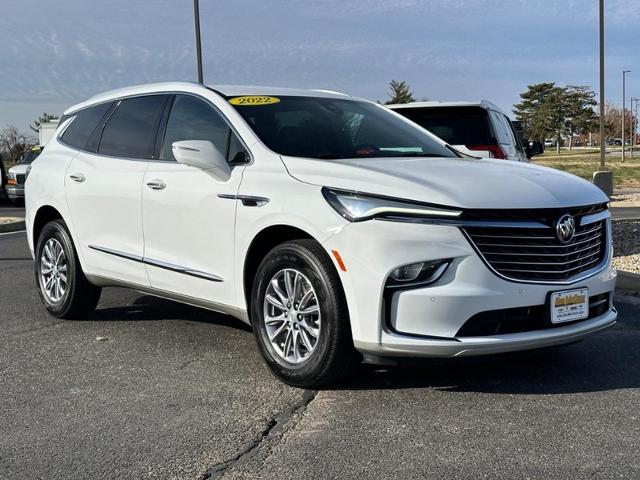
148, 388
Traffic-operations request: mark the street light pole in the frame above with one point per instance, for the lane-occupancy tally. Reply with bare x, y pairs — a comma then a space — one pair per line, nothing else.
624, 106
602, 141
196, 14
634, 123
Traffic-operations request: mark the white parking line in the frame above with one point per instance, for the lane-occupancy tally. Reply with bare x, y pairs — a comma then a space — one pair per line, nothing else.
11, 233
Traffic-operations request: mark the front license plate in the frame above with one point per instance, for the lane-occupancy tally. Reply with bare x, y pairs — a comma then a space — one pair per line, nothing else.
569, 305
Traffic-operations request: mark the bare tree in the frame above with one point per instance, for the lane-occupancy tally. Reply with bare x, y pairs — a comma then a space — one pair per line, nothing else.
14, 144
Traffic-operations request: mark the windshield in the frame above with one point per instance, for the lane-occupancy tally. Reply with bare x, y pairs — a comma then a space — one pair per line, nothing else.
30, 156
330, 128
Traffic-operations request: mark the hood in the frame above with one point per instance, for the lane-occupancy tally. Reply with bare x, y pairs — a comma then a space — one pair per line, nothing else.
456, 182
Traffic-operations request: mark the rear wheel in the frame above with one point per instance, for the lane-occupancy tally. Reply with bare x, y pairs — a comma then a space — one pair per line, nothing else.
300, 317
63, 287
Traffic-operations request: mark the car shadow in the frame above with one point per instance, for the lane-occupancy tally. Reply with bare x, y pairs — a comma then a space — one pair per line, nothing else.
606, 361
149, 308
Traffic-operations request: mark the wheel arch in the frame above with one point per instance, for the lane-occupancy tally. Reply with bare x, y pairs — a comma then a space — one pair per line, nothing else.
263, 242
44, 215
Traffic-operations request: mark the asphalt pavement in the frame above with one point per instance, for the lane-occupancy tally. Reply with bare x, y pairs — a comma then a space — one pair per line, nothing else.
148, 388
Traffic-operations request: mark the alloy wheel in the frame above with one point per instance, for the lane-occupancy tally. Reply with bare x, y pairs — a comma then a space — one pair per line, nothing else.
53, 271
292, 315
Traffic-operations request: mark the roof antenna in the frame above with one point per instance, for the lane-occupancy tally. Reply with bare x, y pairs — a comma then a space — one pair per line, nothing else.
196, 14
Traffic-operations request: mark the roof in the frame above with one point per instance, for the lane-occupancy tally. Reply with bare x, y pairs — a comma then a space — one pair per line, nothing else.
480, 103
226, 90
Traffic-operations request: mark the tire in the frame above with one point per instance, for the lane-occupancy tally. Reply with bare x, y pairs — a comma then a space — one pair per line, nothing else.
73, 298
332, 355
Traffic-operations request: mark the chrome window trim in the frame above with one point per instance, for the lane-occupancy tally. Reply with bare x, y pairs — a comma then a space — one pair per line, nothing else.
118, 100
160, 264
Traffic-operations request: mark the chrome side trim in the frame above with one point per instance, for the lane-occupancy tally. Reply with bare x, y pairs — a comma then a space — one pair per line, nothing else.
239, 313
594, 217
160, 264
247, 200
117, 253
178, 269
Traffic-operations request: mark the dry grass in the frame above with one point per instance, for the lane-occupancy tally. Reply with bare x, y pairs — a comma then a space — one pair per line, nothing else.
584, 163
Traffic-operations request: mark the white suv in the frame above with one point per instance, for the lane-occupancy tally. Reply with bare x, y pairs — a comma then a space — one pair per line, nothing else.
338, 229
479, 129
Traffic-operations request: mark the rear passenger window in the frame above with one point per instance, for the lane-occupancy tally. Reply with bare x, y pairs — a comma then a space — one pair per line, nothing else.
504, 133
193, 119
131, 130
81, 128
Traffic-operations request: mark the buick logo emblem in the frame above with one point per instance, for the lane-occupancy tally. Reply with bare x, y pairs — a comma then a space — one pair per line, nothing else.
565, 228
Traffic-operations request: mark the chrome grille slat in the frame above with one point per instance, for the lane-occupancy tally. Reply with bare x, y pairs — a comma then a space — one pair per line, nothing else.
547, 263
534, 246
535, 254
546, 254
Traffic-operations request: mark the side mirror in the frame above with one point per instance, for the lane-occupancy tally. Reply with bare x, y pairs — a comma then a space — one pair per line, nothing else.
204, 155
534, 148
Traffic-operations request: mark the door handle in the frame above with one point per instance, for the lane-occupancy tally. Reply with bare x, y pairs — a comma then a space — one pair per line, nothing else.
77, 177
156, 185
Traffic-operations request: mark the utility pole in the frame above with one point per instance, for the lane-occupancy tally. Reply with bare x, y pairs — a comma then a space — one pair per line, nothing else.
634, 123
196, 14
624, 106
602, 141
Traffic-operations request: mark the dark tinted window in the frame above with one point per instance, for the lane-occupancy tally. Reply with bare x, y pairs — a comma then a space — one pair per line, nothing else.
194, 119
237, 152
131, 129
455, 125
331, 128
81, 128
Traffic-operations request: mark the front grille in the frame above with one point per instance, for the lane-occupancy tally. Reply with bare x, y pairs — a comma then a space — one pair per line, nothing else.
520, 252
523, 319
20, 178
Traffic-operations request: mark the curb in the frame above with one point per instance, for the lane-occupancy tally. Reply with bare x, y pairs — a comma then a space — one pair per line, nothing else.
628, 282
12, 227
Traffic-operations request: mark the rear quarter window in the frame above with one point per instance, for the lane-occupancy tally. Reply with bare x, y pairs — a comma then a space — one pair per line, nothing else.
82, 126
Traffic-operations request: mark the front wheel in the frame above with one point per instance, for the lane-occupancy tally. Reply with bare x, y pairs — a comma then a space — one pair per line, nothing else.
300, 318
63, 287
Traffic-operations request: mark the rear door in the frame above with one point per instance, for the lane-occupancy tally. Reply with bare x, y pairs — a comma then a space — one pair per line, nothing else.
188, 227
104, 183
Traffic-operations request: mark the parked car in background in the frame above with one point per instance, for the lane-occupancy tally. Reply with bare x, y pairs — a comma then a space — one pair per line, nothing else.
17, 175
3, 175
341, 231
480, 128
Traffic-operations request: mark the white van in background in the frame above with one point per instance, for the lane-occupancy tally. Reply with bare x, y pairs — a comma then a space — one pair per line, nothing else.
480, 128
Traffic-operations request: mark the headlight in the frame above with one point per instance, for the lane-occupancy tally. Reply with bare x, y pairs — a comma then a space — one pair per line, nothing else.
357, 207
11, 175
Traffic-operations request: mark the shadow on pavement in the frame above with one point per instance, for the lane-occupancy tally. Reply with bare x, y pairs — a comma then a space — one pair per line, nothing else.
605, 361
148, 307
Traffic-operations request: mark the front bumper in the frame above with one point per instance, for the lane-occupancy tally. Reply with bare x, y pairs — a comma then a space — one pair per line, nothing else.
15, 192
424, 322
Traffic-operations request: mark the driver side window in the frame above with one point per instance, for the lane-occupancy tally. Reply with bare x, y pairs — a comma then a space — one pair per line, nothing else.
193, 119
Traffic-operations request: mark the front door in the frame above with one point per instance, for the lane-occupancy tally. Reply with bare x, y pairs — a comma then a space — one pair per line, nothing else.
188, 227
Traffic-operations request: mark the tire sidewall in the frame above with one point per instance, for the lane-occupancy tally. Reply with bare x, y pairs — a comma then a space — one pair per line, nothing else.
292, 256
57, 230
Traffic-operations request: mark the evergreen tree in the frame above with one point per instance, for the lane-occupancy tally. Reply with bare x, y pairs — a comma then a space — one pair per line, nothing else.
400, 93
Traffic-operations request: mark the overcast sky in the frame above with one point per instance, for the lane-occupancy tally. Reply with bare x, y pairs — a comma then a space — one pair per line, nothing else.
53, 54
